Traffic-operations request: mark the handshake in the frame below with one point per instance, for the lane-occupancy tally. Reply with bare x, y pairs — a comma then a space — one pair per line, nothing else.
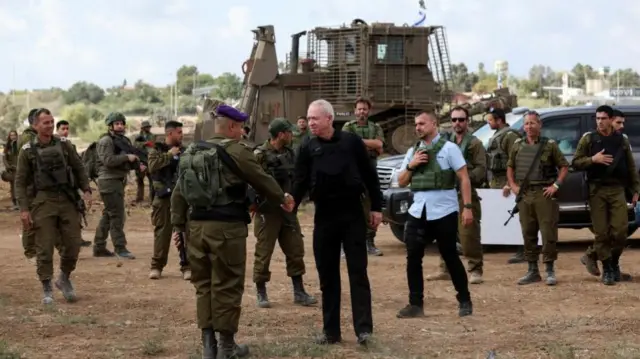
289, 203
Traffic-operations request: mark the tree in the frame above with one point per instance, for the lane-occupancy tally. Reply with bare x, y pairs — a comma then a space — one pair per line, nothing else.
84, 92
462, 80
186, 78
228, 86
9, 116
80, 116
580, 74
147, 93
487, 85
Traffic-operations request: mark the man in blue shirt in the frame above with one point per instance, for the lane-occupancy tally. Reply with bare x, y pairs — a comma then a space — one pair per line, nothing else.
431, 169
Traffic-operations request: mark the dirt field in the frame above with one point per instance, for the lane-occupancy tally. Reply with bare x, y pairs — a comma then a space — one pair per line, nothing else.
122, 314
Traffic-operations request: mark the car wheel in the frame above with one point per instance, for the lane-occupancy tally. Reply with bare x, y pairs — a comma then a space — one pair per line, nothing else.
398, 231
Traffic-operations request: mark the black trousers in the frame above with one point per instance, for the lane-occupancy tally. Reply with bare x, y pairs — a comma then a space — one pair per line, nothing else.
418, 233
336, 227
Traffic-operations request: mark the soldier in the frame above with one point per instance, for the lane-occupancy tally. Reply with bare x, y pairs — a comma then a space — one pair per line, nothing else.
28, 235
373, 138
301, 132
218, 219
533, 169
246, 130
50, 165
498, 151
606, 157
10, 161
145, 136
618, 121
163, 167
475, 156
271, 224
113, 168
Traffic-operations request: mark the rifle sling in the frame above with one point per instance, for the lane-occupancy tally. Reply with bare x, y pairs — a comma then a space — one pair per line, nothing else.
534, 163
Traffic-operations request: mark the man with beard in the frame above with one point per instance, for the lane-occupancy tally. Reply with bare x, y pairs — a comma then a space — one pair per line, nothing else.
618, 121
475, 156
606, 157
163, 168
500, 145
113, 167
300, 133
373, 137
334, 167
430, 170
272, 224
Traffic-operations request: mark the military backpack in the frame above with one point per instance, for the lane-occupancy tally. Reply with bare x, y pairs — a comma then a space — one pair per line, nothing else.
90, 161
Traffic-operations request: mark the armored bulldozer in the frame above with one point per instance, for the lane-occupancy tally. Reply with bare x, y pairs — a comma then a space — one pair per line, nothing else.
402, 69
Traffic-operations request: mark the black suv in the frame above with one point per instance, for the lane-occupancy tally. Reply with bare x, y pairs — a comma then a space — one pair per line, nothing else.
565, 125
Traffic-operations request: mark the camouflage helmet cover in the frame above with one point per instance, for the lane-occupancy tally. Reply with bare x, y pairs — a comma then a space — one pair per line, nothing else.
114, 117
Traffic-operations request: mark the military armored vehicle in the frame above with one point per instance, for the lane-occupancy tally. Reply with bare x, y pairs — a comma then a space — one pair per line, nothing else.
402, 69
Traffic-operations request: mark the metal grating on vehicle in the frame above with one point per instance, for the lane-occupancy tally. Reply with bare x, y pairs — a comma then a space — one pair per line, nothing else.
384, 176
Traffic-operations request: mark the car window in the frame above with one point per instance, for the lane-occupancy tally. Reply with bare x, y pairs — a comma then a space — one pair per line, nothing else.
565, 131
631, 129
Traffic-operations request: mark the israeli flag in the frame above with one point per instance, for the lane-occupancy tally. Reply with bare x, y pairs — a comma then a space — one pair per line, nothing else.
422, 14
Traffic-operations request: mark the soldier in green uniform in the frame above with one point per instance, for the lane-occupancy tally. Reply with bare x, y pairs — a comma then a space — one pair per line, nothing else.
50, 165
272, 224
218, 218
113, 168
145, 136
500, 145
28, 236
538, 208
476, 158
373, 137
301, 132
10, 161
163, 167
606, 157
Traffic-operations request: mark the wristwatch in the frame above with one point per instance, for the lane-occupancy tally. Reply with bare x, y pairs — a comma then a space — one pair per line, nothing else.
410, 169
468, 206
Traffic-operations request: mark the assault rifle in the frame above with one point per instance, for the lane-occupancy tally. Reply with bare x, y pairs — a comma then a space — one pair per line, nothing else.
122, 144
182, 249
525, 182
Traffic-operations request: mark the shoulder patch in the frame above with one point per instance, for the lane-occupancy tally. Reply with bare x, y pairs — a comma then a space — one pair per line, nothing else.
63, 139
257, 151
26, 146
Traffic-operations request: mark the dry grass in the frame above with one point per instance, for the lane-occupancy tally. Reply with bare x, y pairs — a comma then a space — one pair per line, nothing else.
122, 314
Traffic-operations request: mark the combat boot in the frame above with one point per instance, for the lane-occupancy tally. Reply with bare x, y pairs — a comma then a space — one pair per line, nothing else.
618, 275
607, 272
551, 274
85, 243
64, 284
47, 292
209, 344
591, 265
300, 296
371, 248
229, 349
155, 274
124, 253
102, 252
518, 257
261, 295
532, 275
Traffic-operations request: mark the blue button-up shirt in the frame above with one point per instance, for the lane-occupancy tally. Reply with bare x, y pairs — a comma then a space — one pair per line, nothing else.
438, 203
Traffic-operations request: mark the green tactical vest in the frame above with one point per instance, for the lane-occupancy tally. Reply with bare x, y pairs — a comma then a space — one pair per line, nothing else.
496, 157
280, 165
367, 132
524, 159
201, 176
431, 176
50, 164
464, 148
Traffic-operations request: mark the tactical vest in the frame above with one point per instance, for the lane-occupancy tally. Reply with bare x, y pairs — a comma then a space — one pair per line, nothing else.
543, 171
50, 164
611, 145
430, 176
464, 148
367, 132
280, 166
334, 171
118, 151
164, 180
496, 157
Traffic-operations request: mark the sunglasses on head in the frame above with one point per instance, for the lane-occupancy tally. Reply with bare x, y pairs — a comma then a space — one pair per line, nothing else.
458, 119
532, 112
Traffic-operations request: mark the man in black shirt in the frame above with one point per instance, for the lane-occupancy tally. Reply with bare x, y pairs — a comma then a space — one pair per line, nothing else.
335, 169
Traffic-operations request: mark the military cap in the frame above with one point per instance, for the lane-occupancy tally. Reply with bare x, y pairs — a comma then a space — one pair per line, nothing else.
230, 113
145, 123
280, 125
114, 117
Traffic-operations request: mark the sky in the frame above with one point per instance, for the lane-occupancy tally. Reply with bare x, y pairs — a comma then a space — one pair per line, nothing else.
54, 43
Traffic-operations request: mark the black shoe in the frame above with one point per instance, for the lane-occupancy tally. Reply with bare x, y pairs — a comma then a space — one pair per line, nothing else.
209, 344
591, 265
363, 339
85, 243
102, 252
300, 296
325, 339
124, 253
465, 308
608, 277
261, 296
532, 275
372, 250
411, 311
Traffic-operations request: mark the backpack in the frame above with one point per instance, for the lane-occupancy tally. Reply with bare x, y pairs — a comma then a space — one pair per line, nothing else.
90, 161
199, 175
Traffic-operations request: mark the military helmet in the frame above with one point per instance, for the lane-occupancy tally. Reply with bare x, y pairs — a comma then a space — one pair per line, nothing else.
114, 117
145, 123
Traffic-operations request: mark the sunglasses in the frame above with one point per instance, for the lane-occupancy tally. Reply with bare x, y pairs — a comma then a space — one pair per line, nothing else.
458, 119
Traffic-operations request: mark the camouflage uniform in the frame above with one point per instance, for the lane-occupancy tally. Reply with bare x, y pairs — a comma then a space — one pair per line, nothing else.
607, 200
217, 247
498, 151
368, 131
273, 225
140, 142
537, 212
475, 155
56, 173
298, 137
28, 235
113, 168
10, 161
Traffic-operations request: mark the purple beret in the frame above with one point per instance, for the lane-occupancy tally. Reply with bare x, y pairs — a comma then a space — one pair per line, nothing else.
231, 113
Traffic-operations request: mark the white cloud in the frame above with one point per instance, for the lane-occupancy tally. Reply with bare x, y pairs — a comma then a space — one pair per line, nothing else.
237, 25
177, 7
9, 24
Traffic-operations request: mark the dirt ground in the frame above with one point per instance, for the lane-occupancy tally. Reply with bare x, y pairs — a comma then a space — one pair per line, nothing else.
122, 314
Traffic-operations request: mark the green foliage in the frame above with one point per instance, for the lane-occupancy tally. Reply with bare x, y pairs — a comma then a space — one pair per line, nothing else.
9, 116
